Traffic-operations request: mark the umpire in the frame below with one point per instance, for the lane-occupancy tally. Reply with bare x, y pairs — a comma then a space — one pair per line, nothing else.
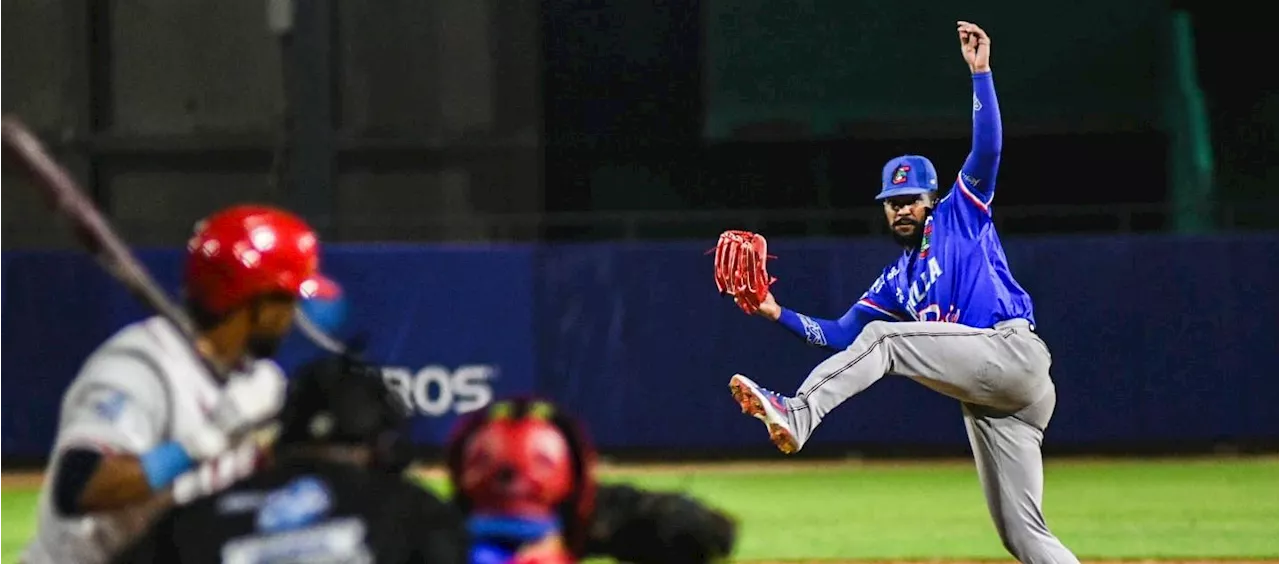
334, 492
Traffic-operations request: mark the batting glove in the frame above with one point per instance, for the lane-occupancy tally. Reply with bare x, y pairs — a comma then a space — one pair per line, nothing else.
217, 473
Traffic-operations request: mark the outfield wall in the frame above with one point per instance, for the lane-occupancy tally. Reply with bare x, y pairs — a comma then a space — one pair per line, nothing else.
1156, 339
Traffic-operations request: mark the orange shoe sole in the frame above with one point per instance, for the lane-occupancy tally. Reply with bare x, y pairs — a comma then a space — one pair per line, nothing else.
751, 405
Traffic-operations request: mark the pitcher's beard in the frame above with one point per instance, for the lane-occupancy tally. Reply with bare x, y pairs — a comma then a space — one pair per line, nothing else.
911, 241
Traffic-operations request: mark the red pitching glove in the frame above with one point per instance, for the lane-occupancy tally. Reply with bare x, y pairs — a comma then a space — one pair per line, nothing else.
740, 268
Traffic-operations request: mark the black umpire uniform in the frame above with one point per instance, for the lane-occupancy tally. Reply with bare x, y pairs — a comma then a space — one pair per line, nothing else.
334, 492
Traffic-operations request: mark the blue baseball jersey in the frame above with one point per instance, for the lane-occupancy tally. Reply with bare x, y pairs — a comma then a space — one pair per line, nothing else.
959, 273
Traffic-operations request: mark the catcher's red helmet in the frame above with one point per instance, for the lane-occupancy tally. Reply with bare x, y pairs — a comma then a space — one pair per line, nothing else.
517, 468
524, 458
247, 251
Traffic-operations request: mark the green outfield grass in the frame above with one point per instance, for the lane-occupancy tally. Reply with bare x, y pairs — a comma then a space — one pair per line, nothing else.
1206, 508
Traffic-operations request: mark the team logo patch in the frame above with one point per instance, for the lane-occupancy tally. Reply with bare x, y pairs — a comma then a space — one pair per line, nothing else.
109, 404
924, 239
900, 175
812, 331
301, 502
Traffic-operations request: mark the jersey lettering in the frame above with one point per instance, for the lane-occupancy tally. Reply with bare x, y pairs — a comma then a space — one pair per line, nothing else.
933, 312
879, 283
924, 282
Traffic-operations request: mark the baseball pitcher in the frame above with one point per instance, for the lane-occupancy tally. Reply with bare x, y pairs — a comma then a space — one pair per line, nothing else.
947, 314
144, 424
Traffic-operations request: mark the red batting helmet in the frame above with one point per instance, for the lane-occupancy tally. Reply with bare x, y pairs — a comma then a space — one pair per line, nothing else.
524, 458
247, 251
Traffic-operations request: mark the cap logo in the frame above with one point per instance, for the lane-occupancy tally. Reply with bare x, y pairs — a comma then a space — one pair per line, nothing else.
900, 175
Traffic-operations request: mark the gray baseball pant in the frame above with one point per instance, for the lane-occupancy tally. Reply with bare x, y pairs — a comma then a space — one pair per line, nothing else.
1000, 376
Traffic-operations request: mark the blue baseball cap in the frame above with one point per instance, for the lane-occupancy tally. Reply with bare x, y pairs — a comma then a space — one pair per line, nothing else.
905, 175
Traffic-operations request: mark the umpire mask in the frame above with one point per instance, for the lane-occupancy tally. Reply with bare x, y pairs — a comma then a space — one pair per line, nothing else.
339, 400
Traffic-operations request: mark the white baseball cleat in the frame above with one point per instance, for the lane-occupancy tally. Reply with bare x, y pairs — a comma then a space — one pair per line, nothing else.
769, 407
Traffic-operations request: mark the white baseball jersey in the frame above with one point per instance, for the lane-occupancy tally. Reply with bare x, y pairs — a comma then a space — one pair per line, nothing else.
141, 388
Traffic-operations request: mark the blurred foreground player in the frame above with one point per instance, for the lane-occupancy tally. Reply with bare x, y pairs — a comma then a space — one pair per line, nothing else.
523, 474
946, 313
335, 490
144, 424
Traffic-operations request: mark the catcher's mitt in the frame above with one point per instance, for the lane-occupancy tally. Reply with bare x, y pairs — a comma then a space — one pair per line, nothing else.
651, 527
740, 268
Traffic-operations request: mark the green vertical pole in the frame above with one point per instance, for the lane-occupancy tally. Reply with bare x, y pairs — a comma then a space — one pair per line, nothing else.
1187, 123
304, 29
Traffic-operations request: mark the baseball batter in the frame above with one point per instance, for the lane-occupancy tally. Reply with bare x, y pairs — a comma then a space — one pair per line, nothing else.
948, 314
144, 424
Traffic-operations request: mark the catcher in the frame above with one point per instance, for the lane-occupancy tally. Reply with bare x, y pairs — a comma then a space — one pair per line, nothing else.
524, 476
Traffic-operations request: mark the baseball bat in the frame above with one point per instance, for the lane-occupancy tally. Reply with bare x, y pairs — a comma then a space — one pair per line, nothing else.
94, 233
